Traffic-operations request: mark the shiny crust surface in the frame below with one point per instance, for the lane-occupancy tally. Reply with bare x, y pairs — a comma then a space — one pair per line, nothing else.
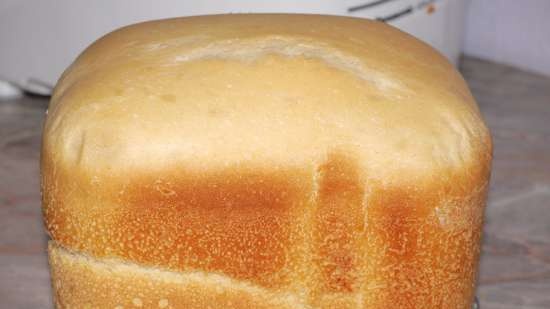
307, 161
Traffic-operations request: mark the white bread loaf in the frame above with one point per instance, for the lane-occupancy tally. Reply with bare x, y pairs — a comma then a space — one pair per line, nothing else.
263, 161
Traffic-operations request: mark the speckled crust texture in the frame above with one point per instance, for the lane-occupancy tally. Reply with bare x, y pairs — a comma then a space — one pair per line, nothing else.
230, 162
344, 246
81, 282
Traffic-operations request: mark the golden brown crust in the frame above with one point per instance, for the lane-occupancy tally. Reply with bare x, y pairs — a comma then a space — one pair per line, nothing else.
293, 162
408, 246
83, 282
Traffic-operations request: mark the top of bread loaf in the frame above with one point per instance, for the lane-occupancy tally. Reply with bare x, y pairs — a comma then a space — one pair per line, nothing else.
211, 92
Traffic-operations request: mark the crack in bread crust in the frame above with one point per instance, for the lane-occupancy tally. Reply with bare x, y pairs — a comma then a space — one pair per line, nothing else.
81, 281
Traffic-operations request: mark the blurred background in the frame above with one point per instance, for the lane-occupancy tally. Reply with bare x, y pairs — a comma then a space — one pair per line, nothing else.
502, 47
39, 39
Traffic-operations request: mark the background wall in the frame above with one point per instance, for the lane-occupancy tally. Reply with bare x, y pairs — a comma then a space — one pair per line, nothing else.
38, 39
515, 32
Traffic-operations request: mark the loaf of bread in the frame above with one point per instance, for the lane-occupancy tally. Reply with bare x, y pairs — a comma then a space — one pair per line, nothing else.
263, 161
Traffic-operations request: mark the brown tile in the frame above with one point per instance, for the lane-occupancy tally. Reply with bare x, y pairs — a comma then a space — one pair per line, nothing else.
25, 282
515, 265
523, 294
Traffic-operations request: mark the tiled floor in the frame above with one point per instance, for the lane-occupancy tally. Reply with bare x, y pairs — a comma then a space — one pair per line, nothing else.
515, 267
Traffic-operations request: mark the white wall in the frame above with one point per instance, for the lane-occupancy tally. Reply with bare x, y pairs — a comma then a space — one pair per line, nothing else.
515, 32
39, 38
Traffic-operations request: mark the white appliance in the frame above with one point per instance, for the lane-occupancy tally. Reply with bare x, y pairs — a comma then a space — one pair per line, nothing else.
39, 39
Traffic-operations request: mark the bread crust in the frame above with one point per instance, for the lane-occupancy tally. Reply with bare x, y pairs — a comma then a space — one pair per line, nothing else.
80, 281
185, 147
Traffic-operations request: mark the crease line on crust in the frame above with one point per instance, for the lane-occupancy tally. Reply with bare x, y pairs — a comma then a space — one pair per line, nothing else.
250, 49
168, 276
